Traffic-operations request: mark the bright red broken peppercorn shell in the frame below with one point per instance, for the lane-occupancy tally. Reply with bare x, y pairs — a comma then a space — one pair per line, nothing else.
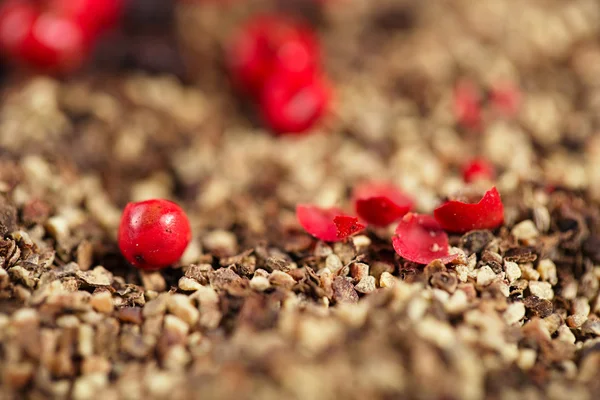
478, 168
457, 216
380, 203
420, 238
327, 224
291, 105
153, 234
268, 45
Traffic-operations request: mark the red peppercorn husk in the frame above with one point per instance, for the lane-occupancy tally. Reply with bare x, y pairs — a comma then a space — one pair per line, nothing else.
347, 225
268, 45
292, 105
327, 224
467, 105
420, 239
380, 203
153, 234
478, 169
460, 217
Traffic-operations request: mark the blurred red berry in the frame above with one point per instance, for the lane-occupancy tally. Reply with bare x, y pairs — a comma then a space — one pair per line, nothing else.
477, 169
54, 44
461, 217
94, 16
16, 21
153, 234
289, 105
467, 107
505, 99
269, 45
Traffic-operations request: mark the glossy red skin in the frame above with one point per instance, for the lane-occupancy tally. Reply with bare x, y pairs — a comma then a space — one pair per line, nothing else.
153, 234
325, 223
268, 45
292, 106
460, 217
467, 108
379, 203
420, 239
478, 168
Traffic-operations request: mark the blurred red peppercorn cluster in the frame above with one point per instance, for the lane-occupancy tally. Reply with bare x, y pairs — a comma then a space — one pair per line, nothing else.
275, 60
54, 36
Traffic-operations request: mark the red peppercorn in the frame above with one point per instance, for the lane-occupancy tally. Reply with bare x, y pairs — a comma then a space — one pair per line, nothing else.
54, 44
94, 16
460, 217
153, 234
380, 203
289, 105
16, 21
269, 45
419, 238
478, 168
43, 40
327, 224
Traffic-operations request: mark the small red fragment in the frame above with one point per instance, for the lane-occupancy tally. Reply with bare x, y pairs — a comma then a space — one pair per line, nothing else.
420, 239
327, 224
478, 169
153, 234
380, 203
347, 225
460, 217
467, 107
293, 106
505, 99
268, 45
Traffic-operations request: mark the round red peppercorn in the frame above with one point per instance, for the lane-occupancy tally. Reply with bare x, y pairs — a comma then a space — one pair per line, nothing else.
153, 234
94, 16
54, 44
269, 45
477, 169
290, 105
16, 21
